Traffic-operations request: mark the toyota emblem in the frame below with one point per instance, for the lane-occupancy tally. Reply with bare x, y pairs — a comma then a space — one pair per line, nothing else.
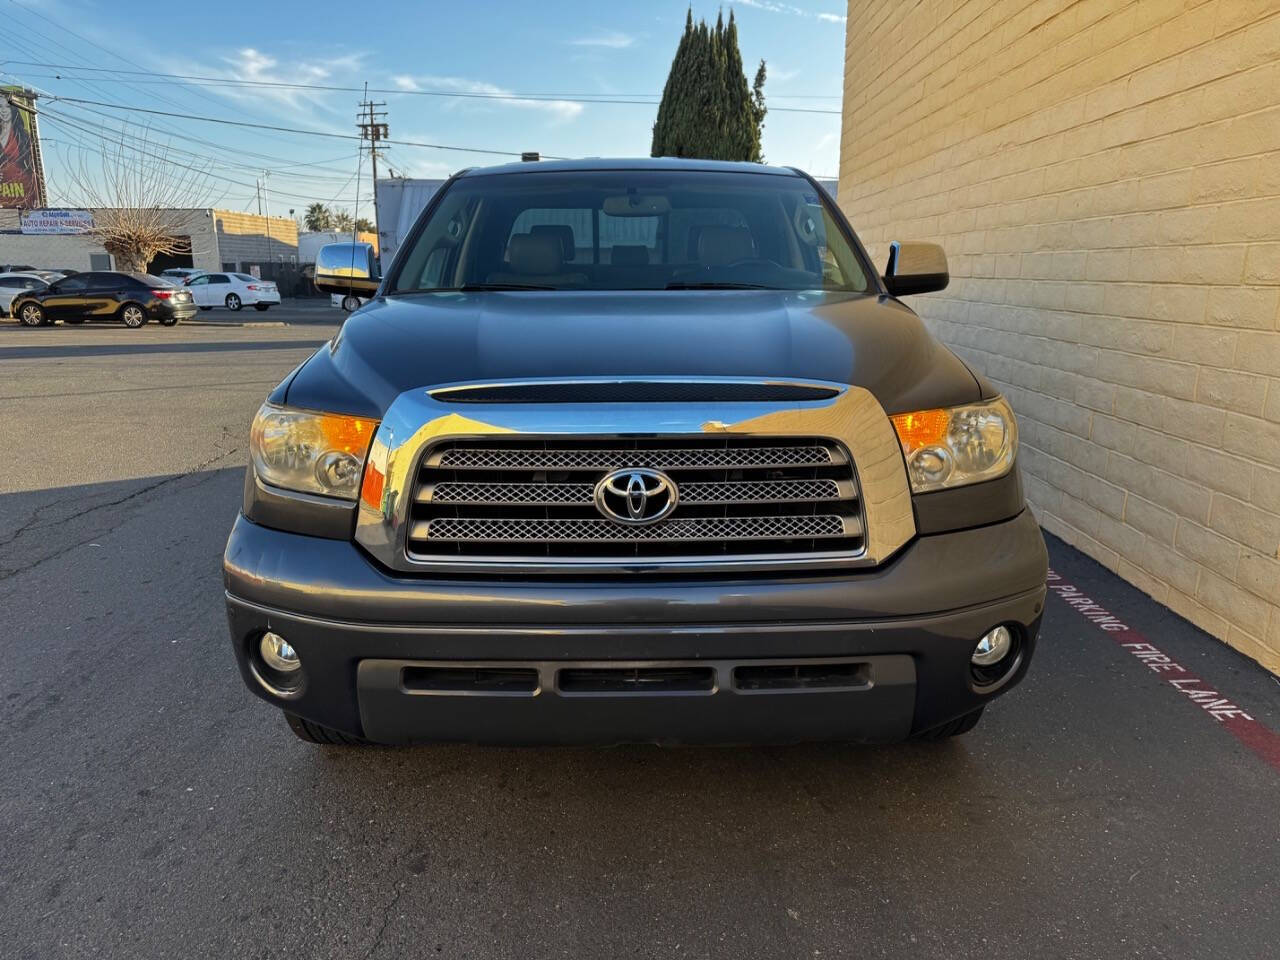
636, 495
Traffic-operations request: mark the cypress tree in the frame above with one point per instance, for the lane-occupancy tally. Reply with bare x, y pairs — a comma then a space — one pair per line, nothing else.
707, 109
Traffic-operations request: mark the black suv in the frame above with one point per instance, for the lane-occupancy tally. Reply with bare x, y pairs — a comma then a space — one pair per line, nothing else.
633, 451
130, 298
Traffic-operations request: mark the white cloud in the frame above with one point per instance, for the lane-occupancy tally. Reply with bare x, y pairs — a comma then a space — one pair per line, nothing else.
260, 67
486, 93
772, 6
609, 38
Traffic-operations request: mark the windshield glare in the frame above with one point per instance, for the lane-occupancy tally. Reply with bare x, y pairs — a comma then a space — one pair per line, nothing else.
631, 230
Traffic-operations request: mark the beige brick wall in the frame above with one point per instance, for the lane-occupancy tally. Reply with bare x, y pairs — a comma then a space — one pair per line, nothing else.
1105, 178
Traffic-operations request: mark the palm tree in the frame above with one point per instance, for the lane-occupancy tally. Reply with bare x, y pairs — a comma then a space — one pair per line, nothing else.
341, 220
318, 217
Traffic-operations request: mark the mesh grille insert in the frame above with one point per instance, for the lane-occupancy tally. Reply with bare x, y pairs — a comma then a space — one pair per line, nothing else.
521, 500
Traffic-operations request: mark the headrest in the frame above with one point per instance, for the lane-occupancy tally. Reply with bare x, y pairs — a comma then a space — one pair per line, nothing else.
534, 253
718, 246
629, 255
563, 232
695, 234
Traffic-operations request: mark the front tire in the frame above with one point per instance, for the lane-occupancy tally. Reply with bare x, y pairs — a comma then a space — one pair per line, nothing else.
952, 728
233, 302
261, 306
133, 316
350, 304
206, 308
311, 732
169, 322
31, 315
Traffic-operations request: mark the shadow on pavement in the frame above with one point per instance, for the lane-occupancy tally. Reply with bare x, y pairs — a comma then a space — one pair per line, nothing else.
114, 349
154, 805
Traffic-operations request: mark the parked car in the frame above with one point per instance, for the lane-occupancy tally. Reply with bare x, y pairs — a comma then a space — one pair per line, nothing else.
179, 275
233, 291
698, 475
131, 298
12, 284
348, 303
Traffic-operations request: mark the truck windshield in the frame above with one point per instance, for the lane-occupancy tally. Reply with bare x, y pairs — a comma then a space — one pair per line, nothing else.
631, 230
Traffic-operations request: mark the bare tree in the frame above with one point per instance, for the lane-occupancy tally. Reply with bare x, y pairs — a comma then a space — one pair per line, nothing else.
144, 203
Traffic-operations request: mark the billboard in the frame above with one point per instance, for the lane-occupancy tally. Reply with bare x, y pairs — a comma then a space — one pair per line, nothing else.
21, 172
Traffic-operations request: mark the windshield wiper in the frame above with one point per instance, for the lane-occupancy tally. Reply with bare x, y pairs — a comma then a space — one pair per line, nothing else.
715, 285
479, 287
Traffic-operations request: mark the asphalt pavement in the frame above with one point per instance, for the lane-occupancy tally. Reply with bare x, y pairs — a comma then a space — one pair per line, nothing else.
151, 807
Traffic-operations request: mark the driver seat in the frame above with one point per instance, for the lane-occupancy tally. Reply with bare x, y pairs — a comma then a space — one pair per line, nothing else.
721, 246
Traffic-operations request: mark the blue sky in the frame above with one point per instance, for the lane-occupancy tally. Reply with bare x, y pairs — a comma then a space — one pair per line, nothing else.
548, 48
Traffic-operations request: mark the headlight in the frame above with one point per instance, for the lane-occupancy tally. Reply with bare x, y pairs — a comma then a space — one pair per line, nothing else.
310, 452
957, 445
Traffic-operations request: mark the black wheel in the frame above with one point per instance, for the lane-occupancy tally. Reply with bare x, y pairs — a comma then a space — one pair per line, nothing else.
31, 315
133, 316
316, 733
206, 308
169, 322
350, 304
261, 306
233, 302
952, 728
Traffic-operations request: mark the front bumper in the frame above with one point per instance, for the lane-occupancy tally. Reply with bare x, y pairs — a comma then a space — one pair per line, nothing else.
896, 640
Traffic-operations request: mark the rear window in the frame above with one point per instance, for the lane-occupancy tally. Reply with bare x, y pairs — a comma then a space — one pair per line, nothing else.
632, 230
149, 280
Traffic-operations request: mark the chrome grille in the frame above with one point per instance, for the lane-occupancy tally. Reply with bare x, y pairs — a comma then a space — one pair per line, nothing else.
521, 499
485, 458
477, 530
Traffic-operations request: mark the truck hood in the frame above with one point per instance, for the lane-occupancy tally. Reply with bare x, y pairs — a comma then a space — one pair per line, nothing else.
399, 343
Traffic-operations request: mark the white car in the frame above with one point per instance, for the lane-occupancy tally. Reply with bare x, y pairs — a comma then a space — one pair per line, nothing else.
12, 284
233, 291
179, 275
350, 303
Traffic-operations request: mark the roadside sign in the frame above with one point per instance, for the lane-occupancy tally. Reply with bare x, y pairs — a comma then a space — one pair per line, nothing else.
56, 221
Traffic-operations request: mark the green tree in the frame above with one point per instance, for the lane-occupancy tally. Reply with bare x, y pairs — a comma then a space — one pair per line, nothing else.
341, 220
318, 217
364, 225
707, 109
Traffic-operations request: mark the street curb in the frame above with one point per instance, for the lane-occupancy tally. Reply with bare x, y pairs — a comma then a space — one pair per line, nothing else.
234, 323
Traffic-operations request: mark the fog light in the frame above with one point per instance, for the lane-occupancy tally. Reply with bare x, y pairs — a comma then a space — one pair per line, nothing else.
993, 647
277, 654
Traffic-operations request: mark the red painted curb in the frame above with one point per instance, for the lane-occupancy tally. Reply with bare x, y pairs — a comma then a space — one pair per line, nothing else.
1256, 736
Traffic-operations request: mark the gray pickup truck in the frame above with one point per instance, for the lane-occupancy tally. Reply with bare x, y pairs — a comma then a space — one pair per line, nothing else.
634, 450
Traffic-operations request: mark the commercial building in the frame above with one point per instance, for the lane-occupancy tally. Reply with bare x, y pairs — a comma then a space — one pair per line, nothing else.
219, 240
1105, 178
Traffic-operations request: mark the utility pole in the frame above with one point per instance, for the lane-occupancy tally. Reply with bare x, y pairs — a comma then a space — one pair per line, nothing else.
373, 127
265, 174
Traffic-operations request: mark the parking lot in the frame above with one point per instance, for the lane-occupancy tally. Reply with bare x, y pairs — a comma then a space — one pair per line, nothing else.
151, 807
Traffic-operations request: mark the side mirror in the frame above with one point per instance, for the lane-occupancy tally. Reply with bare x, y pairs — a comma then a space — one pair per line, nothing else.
915, 268
347, 268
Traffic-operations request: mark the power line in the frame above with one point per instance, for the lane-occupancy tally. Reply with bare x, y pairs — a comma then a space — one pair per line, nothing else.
294, 130
66, 123
113, 53
636, 99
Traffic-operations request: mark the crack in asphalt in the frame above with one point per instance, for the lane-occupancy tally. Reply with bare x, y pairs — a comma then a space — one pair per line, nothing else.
33, 522
386, 919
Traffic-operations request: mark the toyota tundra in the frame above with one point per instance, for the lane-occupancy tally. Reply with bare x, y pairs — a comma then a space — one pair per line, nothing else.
636, 450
